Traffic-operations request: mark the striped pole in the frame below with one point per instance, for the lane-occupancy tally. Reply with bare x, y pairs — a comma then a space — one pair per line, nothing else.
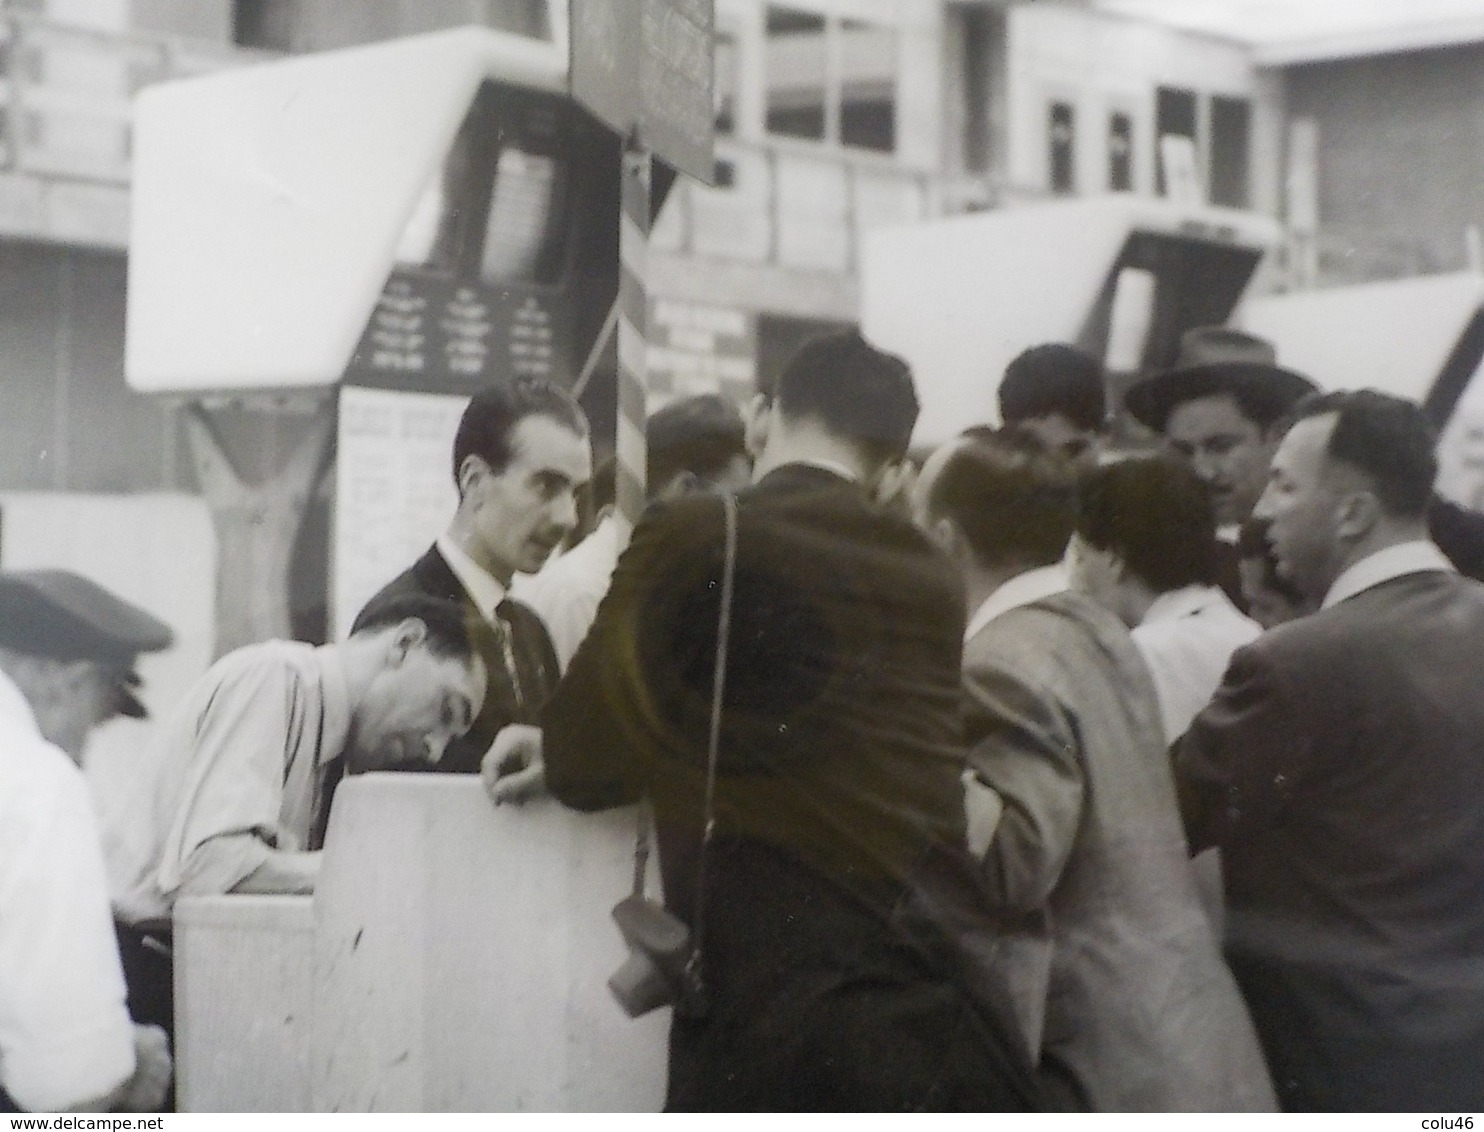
633, 249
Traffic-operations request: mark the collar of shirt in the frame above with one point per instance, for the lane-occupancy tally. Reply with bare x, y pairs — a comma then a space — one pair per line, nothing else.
1020, 590
1404, 558
1184, 602
335, 733
832, 466
1229, 533
482, 586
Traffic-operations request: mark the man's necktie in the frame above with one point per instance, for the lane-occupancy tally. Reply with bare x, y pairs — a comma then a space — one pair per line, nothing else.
500, 620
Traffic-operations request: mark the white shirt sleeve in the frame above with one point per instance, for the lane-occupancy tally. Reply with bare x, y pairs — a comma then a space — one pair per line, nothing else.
65, 1033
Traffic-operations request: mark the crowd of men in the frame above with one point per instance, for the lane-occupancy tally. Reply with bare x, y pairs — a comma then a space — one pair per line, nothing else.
928, 742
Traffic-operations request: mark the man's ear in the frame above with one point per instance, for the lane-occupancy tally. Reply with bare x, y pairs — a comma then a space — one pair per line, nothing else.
947, 537
893, 485
759, 422
471, 471
408, 635
1357, 514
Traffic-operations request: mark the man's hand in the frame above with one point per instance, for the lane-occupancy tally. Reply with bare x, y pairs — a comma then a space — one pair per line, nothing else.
512, 768
145, 1091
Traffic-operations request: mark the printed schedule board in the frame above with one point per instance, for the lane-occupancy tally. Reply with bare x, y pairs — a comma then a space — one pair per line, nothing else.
448, 335
394, 489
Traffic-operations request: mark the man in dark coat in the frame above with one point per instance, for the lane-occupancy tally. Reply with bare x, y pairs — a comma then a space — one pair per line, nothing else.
1339, 770
840, 761
519, 456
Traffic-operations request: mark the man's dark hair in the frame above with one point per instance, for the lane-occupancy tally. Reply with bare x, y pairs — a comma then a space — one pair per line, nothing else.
451, 631
1054, 378
1388, 438
1154, 512
488, 423
701, 435
858, 393
1014, 503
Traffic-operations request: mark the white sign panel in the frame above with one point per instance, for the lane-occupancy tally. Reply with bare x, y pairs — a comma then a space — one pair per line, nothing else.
394, 489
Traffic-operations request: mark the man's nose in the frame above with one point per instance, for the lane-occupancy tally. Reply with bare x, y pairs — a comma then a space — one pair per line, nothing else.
1207, 466
434, 744
1262, 509
564, 511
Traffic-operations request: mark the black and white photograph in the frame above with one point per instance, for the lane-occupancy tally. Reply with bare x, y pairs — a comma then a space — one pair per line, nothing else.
731, 556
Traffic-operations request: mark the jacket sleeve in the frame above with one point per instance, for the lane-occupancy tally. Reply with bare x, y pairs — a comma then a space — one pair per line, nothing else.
1242, 756
1024, 747
594, 725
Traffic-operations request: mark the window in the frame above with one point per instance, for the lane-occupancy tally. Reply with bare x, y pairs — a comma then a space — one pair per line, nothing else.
1120, 152
868, 70
797, 64
726, 82
831, 80
1062, 135
267, 24
1174, 113
1230, 139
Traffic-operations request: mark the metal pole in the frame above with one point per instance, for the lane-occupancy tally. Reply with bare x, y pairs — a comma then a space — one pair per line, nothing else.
633, 319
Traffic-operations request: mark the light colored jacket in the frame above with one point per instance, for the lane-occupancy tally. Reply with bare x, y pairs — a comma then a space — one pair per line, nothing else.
1064, 725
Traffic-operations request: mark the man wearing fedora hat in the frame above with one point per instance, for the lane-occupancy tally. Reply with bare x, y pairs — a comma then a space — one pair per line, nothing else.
67, 651
1218, 407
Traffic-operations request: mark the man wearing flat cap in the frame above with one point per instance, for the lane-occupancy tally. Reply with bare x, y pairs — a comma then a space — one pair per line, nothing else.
67, 651
1218, 408
73, 647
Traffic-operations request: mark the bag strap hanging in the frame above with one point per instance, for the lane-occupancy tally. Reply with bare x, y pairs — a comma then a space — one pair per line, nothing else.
713, 743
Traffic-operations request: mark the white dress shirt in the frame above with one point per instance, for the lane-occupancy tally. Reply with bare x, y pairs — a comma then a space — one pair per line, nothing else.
567, 590
1394, 562
483, 588
65, 1036
1187, 639
1020, 590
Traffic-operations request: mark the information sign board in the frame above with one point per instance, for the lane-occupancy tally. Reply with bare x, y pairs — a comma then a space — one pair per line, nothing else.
646, 67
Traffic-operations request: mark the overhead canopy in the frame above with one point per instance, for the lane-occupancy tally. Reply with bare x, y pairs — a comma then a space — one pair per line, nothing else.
959, 298
268, 202
1282, 32
1400, 336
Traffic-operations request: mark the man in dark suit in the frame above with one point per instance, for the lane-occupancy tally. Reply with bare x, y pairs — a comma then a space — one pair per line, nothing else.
1339, 770
520, 455
838, 782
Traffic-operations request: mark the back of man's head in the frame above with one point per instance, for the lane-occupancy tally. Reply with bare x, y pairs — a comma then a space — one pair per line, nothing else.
702, 438
1014, 504
1388, 439
853, 391
487, 427
451, 633
1154, 513
1053, 379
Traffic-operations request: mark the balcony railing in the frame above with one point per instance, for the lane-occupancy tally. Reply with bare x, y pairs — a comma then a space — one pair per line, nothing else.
788, 204
65, 93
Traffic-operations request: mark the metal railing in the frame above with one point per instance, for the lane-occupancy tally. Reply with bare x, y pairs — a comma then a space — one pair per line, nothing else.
66, 90
788, 204
65, 115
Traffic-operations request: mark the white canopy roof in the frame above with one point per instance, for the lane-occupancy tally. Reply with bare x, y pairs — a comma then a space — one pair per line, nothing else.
959, 298
268, 202
1393, 335
1299, 31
